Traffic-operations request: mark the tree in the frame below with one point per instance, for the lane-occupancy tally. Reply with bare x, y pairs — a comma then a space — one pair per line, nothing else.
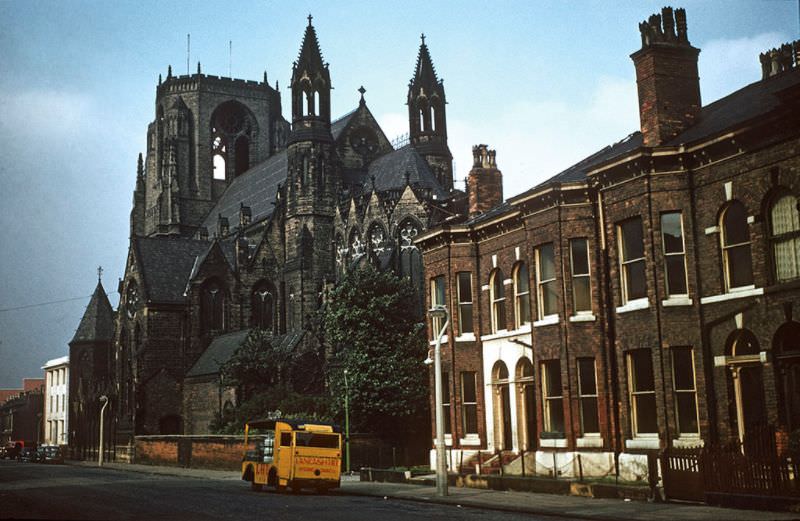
261, 370
257, 365
374, 331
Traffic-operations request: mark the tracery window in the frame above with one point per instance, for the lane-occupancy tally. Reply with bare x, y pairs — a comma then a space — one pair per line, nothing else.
263, 306
785, 236
212, 306
376, 240
357, 247
410, 257
232, 129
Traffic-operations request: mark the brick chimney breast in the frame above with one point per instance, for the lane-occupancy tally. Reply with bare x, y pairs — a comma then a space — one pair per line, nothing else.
666, 77
484, 182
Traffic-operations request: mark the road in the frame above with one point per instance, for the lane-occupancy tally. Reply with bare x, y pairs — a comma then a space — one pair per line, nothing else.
34, 491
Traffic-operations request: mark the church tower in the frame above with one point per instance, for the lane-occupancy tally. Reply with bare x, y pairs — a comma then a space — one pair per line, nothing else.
207, 131
312, 183
427, 119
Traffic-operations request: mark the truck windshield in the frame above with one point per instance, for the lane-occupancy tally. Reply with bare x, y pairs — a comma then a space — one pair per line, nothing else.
310, 439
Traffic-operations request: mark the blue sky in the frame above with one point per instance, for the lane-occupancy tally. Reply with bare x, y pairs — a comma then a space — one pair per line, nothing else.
544, 83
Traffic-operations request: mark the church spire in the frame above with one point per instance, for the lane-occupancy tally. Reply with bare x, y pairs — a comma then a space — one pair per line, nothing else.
425, 72
427, 120
311, 83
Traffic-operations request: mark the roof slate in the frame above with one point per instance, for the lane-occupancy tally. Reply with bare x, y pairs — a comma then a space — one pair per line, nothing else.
390, 172
97, 324
255, 188
165, 263
752, 101
223, 347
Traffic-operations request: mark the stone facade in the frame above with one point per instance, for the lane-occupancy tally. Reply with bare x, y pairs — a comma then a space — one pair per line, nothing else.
242, 219
645, 297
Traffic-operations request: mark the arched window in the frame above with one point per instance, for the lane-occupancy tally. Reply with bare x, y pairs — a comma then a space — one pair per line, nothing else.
220, 152
433, 119
522, 295
502, 406
376, 242
341, 254
498, 298
421, 120
212, 306
262, 306
357, 249
785, 237
410, 258
736, 256
741, 343
232, 128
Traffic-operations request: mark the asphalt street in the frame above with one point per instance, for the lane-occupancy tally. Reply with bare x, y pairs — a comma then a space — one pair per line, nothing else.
34, 491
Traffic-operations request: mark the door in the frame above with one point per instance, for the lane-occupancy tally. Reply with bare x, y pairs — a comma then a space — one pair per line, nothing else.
750, 406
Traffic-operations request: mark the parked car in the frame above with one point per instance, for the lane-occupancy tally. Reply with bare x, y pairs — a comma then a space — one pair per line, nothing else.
3, 452
51, 454
27, 454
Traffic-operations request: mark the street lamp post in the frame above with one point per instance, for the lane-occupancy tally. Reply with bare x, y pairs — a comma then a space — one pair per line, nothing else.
104, 401
346, 424
439, 312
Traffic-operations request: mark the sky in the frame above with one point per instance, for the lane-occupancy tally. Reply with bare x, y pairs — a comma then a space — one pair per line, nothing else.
543, 83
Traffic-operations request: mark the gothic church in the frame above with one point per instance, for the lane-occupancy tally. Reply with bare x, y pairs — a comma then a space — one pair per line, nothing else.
241, 219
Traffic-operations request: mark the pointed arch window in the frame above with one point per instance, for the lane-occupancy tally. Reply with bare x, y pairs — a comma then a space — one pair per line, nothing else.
212, 306
410, 257
376, 241
736, 255
497, 295
263, 306
785, 237
522, 295
232, 130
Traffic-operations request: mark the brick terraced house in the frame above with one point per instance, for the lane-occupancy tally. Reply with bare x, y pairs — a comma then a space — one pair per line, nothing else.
646, 297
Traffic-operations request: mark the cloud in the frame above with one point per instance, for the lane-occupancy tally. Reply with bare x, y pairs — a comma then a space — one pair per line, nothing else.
727, 65
44, 113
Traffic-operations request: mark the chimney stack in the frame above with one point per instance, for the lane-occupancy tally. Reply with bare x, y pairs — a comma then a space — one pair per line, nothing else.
666, 76
485, 182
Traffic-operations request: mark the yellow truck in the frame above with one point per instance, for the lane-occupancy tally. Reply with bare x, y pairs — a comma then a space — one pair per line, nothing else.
294, 453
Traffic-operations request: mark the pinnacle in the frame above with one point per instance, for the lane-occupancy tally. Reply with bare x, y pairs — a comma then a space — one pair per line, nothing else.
425, 72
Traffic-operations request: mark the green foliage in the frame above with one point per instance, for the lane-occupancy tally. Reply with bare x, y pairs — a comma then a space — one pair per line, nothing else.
257, 365
376, 334
274, 401
262, 372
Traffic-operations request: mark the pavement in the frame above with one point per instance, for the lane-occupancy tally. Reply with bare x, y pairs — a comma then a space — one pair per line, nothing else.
573, 507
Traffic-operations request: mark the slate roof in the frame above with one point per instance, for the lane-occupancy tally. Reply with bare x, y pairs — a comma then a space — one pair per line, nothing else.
752, 101
255, 188
390, 171
165, 264
338, 126
97, 324
224, 346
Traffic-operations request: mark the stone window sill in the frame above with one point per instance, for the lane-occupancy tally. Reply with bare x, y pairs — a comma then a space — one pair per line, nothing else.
736, 293
643, 443
553, 443
634, 305
471, 440
687, 442
466, 337
587, 317
549, 320
676, 301
588, 441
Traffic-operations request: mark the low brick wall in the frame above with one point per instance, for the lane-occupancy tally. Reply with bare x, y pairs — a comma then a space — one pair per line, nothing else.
207, 452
